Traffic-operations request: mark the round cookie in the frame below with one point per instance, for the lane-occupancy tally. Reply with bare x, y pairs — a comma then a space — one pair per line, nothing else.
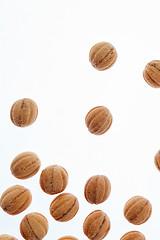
24, 112
7, 237
25, 165
157, 160
68, 238
96, 225
102, 55
133, 235
15, 199
98, 120
64, 207
97, 189
53, 179
137, 210
151, 73
34, 226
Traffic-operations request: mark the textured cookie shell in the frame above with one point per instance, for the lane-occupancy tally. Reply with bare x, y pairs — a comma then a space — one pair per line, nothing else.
34, 226
64, 207
157, 160
133, 235
25, 165
96, 225
24, 112
15, 199
102, 55
68, 238
151, 73
7, 237
98, 120
97, 189
137, 210
53, 179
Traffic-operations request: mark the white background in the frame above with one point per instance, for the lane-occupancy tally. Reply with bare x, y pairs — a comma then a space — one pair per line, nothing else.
44, 48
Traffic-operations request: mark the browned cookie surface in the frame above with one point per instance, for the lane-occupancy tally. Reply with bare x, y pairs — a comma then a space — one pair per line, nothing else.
98, 120
15, 199
97, 189
137, 210
157, 160
53, 179
68, 238
96, 225
7, 237
25, 165
34, 226
64, 207
151, 73
102, 55
24, 112
133, 235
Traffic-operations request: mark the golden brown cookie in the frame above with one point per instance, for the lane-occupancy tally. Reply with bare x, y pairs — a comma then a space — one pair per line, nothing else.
151, 73
102, 55
137, 210
34, 226
24, 112
7, 237
25, 165
97, 189
68, 238
157, 160
96, 225
64, 207
53, 179
98, 120
133, 235
15, 199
